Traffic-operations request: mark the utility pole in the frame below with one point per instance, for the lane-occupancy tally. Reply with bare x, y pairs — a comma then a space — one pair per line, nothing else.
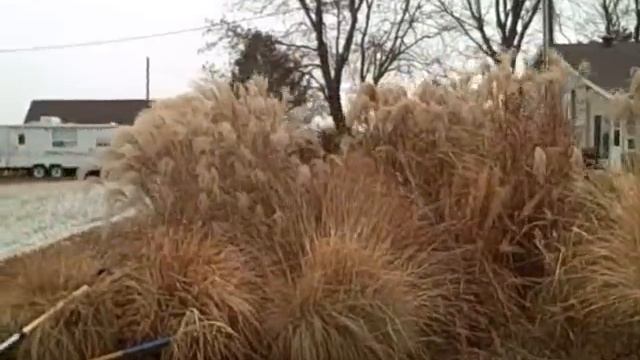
147, 78
545, 33
551, 20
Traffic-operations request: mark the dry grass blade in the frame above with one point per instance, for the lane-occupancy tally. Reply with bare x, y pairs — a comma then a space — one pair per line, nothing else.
349, 302
181, 277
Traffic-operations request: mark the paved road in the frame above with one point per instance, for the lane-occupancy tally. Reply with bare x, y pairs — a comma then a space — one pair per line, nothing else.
37, 214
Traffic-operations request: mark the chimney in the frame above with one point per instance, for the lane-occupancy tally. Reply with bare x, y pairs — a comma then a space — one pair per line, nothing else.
607, 40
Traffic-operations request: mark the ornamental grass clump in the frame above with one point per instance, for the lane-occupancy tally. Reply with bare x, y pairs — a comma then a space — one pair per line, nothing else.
348, 302
186, 284
213, 153
493, 170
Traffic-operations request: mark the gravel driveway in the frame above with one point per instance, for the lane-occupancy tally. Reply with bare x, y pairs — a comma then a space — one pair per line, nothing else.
38, 214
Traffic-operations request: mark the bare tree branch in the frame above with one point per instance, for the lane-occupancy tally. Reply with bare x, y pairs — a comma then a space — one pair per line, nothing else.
512, 21
388, 46
380, 36
591, 21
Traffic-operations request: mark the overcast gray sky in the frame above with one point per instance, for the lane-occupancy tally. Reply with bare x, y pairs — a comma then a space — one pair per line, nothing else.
102, 72
113, 71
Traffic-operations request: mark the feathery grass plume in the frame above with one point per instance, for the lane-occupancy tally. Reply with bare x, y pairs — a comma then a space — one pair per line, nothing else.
606, 256
207, 293
194, 156
223, 157
363, 214
357, 198
369, 99
350, 301
469, 160
185, 283
588, 306
602, 274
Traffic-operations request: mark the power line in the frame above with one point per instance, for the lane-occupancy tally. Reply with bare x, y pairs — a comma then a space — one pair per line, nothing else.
101, 42
135, 38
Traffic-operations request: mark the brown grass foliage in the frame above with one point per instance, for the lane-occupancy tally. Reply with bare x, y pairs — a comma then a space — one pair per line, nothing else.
348, 302
227, 154
457, 223
494, 172
183, 283
32, 285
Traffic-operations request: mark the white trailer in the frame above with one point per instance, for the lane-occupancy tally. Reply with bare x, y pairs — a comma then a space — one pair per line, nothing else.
54, 149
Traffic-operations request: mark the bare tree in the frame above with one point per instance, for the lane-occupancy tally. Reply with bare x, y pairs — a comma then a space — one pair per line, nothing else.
390, 44
612, 13
612, 18
384, 36
493, 26
333, 63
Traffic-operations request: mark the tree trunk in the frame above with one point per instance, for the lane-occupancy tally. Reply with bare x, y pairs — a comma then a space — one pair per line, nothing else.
335, 108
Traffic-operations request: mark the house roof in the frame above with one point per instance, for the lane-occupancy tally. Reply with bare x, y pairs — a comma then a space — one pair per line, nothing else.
122, 112
610, 66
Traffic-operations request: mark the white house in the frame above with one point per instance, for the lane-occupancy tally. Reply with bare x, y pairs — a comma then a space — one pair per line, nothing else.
597, 71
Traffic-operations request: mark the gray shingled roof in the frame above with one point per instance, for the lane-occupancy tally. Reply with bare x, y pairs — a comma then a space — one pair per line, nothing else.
610, 66
122, 112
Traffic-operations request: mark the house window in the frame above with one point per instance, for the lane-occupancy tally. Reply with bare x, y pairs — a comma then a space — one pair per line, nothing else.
631, 144
21, 139
597, 135
102, 142
616, 137
573, 104
64, 137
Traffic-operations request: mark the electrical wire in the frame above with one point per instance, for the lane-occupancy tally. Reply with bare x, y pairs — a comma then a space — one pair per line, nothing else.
100, 42
135, 38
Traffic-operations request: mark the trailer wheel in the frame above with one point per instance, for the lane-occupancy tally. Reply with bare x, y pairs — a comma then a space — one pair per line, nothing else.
56, 171
39, 172
92, 174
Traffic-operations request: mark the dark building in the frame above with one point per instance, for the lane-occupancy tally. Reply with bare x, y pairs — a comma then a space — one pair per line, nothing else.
122, 112
610, 63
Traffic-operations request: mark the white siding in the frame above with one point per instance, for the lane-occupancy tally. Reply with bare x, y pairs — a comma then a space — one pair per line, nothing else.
66, 146
615, 136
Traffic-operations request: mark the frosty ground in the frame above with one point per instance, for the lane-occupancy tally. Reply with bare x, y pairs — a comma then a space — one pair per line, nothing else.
37, 214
